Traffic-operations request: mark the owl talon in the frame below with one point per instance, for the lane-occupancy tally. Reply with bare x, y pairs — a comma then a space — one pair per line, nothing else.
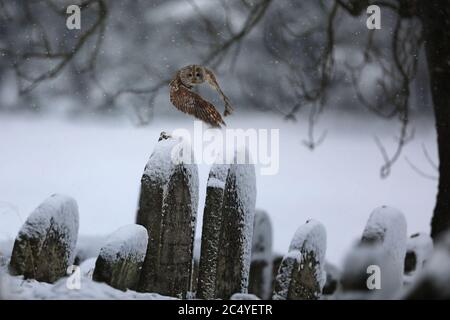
228, 110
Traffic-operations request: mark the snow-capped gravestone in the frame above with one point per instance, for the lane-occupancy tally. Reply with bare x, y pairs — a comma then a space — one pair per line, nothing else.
419, 248
433, 283
260, 281
45, 245
387, 227
366, 273
212, 222
301, 275
235, 240
168, 208
120, 260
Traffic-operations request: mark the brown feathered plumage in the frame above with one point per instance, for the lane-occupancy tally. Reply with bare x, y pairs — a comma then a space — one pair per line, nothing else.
184, 99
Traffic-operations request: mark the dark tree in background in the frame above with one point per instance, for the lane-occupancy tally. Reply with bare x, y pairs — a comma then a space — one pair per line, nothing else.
289, 56
435, 17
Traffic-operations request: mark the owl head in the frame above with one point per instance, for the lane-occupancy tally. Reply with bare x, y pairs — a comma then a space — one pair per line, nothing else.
192, 75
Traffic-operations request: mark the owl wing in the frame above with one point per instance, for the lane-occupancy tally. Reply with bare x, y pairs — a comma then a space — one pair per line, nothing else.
211, 79
191, 103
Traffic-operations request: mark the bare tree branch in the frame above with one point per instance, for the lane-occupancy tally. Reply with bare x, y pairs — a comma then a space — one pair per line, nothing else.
62, 58
419, 171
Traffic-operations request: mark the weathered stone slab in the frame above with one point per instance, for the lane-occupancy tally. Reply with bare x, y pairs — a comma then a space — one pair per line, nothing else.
45, 245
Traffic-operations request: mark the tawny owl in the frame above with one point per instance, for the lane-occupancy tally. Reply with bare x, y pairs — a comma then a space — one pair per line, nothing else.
184, 99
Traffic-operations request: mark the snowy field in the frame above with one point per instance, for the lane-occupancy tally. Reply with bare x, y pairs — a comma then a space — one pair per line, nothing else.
100, 164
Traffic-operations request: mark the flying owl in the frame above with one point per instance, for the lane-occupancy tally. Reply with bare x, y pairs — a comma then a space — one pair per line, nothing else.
184, 99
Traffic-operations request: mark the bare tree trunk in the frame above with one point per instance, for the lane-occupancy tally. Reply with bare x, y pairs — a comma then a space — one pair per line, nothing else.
435, 16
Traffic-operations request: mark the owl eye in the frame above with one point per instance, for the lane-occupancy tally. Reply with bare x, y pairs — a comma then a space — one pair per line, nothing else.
198, 74
190, 74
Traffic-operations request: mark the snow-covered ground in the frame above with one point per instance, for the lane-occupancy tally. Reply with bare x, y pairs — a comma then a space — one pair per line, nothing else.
16, 288
100, 164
